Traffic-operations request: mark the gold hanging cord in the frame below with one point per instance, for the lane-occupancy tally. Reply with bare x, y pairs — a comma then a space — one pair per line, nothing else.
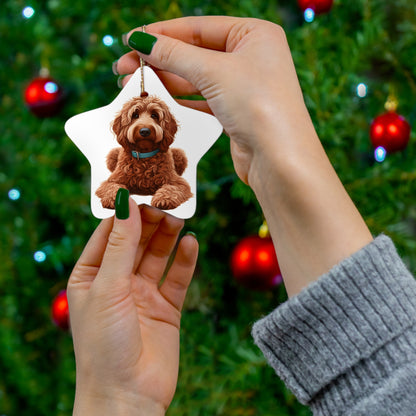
143, 92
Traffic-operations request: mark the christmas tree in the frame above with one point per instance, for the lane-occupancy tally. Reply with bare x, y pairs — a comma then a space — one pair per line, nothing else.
350, 60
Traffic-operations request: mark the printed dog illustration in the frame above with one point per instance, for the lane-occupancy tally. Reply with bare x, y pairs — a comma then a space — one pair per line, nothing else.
145, 164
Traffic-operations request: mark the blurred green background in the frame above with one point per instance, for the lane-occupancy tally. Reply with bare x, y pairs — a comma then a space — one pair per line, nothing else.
222, 372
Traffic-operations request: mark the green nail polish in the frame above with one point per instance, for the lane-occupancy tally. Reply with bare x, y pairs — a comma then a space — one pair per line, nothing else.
122, 204
191, 233
142, 42
120, 81
114, 67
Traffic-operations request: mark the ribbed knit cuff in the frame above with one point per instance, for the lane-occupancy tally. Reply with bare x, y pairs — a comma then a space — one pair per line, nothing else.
345, 332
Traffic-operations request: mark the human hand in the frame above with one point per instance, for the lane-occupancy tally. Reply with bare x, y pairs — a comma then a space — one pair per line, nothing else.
244, 70
125, 321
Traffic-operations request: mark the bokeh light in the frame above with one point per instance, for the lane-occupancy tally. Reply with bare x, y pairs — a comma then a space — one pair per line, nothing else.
28, 12
108, 40
362, 90
39, 256
14, 194
380, 154
309, 15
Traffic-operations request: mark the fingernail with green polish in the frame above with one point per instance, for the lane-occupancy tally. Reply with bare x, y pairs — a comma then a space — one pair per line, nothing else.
142, 42
120, 81
191, 233
114, 67
122, 204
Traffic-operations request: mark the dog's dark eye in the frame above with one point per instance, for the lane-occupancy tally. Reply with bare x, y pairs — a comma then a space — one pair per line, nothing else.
135, 114
155, 116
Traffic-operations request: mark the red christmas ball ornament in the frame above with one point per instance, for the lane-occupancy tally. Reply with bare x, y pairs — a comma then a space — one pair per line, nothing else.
44, 97
254, 263
60, 310
318, 6
390, 131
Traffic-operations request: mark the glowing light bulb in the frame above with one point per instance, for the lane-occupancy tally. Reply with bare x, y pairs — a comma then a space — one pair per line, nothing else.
380, 154
108, 40
309, 15
51, 87
362, 90
14, 194
28, 12
39, 256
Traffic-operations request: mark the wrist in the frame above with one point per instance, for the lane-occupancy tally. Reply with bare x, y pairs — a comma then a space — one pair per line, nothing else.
115, 404
284, 135
284, 155
312, 220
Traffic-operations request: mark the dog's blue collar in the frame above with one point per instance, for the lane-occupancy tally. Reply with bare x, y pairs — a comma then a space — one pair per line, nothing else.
139, 155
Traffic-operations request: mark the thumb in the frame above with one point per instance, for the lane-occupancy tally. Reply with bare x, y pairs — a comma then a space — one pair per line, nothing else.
123, 240
190, 62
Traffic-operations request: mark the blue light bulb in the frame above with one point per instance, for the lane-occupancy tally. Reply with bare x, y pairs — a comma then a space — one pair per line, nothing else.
14, 194
362, 90
39, 256
380, 154
309, 15
108, 40
51, 87
28, 12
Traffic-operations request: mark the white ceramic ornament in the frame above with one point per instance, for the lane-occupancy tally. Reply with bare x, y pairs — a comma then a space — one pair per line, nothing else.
127, 144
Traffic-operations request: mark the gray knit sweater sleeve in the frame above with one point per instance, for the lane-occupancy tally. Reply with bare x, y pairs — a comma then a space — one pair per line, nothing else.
346, 345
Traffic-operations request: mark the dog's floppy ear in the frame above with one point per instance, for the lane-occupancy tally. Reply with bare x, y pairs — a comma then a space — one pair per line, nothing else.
170, 127
116, 124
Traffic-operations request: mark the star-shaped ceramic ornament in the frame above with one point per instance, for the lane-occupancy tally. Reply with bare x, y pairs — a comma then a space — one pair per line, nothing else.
149, 145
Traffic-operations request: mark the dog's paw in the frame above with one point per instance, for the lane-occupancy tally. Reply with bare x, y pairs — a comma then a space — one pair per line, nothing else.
166, 198
107, 193
108, 203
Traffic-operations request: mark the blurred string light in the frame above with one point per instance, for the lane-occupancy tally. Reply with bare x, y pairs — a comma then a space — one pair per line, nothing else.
108, 40
51, 87
28, 12
362, 90
380, 154
309, 15
14, 194
39, 256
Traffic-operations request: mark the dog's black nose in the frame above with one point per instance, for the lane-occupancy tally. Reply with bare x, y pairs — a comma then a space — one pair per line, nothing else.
145, 132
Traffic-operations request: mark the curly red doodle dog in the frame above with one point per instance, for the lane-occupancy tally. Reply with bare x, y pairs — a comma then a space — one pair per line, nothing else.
144, 164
